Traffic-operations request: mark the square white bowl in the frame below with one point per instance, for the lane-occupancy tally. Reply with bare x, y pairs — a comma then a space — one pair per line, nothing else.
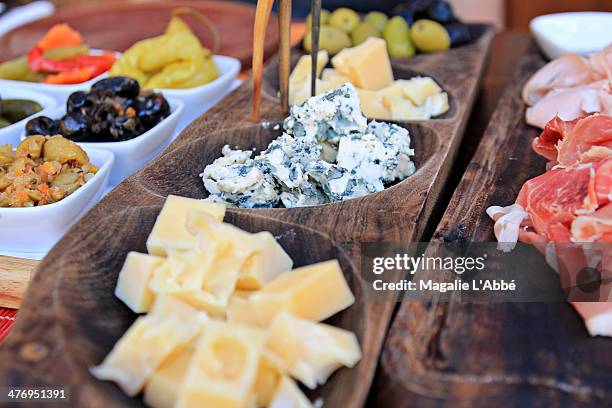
201, 98
37, 229
10, 134
59, 92
132, 155
565, 33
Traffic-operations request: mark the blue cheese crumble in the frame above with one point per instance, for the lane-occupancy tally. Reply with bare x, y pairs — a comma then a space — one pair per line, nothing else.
327, 153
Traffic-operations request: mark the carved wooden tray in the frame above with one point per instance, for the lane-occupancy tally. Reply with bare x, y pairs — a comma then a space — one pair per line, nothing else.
453, 354
70, 318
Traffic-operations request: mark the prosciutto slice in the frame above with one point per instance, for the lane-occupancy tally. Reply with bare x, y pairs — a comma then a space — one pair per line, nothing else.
570, 87
566, 213
582, 140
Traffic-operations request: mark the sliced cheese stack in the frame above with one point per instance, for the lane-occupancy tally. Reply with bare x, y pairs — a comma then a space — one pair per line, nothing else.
368, 67
229, 323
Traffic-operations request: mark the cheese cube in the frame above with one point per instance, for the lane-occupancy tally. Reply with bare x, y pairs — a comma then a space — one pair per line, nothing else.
266, 381
223, 369
263, 265
169, 230
313, 292
372, 105
418, 89
182, 271
332, 75
133, 283
289, 395
303, 69
309, 351
403, 109
239, 309
166, 306
436, 104
301, 92
367, 65
146, 344
162, 388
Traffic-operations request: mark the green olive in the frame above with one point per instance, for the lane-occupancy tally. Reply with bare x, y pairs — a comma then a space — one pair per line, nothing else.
15, 110
4, 123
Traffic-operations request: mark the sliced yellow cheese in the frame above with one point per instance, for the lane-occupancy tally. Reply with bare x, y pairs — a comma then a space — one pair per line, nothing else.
372, 105
436, 104
309, 351
332, 75
239, 309
266, 381
367, 65
313, 292
169, 230
133, 283
146, 344
161, 390
289, 395
403, 109
418, 89
265, 264
223, 369
303, 69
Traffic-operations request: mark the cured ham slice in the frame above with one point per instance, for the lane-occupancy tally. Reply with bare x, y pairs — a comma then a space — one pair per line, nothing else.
569, 87
571, 103
595, 227
564, 72
582, 140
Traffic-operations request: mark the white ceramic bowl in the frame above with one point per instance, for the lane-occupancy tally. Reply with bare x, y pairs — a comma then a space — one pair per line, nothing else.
59, 92
10, 134
132, 155
565, 33
199, 99
37, 229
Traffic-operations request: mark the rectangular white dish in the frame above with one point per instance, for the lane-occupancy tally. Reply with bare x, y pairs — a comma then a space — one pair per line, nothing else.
199, 99
37, 229
132, 155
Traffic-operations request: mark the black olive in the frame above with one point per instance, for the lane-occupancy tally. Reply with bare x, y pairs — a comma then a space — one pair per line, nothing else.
152, 109
124, 127
459, 33
42, 125
120, 86
415, 6
76, 101
441, 11
74, 126
408, 15
100, 117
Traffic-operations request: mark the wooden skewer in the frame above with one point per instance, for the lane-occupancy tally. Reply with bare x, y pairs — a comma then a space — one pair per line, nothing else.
315, 12
284, 68
262, 16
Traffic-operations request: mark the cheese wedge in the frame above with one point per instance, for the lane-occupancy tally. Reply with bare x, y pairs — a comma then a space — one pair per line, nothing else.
403, 109
309, 351
161, 391
223, 369
146, 344
266, 380
289, 395
169, 230
313, 292
418, 89
239, 309
372, 105
436, 104
303, 69
133, 283
367, 65
263, 265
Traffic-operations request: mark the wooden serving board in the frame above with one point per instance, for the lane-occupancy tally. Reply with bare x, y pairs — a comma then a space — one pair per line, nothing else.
70, 318
448, 353
133, 21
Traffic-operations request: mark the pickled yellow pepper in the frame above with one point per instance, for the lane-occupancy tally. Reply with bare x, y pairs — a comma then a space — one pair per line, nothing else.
175, 59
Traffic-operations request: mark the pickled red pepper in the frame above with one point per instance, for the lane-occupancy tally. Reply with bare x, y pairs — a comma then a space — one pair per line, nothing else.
70, 71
